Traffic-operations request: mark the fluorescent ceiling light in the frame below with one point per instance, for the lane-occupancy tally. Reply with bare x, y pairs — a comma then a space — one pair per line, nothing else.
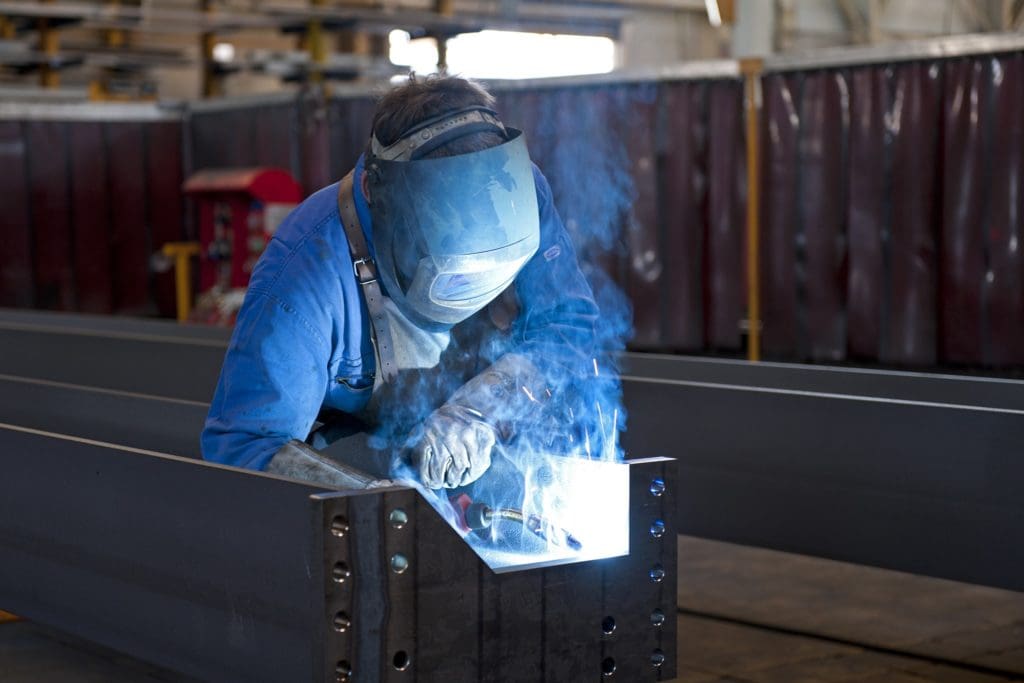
714, 14
508, 54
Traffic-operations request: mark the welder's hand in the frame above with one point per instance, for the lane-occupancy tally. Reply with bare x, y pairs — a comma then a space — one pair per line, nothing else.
454, 449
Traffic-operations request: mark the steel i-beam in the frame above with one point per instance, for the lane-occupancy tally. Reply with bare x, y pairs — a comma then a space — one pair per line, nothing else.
406, 599
231, 575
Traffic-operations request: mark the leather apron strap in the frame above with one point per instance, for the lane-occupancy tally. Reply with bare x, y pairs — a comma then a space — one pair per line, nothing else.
366, 275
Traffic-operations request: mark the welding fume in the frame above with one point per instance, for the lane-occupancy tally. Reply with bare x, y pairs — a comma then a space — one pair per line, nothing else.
425, 321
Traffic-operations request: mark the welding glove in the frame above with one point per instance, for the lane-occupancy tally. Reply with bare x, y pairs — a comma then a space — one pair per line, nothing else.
298, 460
454, 447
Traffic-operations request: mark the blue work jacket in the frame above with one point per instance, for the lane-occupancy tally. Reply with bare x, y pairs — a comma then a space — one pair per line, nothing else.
302, 343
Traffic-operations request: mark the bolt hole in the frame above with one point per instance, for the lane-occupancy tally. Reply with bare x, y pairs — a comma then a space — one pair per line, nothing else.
399, 563
339, 526
608, 667
401, 660
657, 658
657, 618
657, 486
398, 518
608, 625
343, 670
342, 622
340, 573
657, 528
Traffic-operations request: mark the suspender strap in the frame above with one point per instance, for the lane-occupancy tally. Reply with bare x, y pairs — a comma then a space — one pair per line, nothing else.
366, 275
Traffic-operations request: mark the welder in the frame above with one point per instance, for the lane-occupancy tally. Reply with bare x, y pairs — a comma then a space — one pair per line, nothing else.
443, 225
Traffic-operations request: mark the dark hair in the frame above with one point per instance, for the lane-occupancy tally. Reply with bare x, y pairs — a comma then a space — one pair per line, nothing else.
423, 97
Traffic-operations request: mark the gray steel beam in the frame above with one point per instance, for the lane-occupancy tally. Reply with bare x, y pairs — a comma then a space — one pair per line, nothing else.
450, 618
182, 361
154, 365
925, 387
192, 566
134, 420
231, 575
919, 488
911, 471
110, 326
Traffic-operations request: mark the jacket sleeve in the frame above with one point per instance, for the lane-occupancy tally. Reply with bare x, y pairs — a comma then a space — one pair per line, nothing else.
556, 325
271, 385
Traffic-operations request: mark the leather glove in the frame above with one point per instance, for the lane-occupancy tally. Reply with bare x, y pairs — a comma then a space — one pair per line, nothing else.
454, 448
297, 460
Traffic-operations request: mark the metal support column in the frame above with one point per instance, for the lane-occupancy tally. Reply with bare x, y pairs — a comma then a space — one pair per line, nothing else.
751, 69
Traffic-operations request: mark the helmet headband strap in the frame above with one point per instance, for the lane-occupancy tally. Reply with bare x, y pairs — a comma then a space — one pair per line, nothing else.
432, 133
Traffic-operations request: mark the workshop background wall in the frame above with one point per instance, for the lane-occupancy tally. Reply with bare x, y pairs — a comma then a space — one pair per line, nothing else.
891, 204
893, 213
85, 205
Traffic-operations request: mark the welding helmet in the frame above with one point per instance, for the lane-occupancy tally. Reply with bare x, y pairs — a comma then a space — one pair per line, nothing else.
451, 233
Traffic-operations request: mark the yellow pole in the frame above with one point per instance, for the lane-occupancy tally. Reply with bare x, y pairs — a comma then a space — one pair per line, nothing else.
182, 252
49, 44
112, 38
7, 29
445, 8
751, 70
7, 616
211, 81
316, 46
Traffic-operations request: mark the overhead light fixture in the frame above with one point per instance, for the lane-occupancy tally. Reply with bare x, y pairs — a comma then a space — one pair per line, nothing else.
714, 14
223, 52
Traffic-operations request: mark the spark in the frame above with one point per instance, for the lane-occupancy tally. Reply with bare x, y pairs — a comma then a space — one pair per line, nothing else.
528, 394
586, 442
596, 373
613, 439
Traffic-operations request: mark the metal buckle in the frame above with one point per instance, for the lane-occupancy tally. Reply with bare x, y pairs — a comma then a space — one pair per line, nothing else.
364, 270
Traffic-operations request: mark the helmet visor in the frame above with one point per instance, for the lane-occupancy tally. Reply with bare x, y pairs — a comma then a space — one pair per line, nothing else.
453, 232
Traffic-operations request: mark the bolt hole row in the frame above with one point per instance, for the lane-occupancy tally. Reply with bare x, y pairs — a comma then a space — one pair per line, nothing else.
608, 624
608, 665
656, 574
340, 574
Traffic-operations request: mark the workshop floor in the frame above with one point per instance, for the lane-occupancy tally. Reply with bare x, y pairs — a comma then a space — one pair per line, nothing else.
746, 616
759, 616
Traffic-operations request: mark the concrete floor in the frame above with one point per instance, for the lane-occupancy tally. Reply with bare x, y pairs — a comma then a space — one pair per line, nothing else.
761, 616
748, 616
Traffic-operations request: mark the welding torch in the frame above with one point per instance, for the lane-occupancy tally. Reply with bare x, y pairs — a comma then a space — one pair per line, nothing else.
480, 516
